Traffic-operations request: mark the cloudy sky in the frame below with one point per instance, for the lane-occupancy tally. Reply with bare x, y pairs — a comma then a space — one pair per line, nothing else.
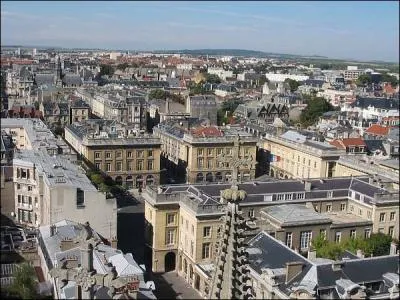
352, 30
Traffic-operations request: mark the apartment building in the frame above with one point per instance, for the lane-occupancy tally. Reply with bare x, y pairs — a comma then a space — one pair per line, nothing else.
191, 152
202, 107
78, 111
292, 155
48, 184
278, 272
296, 224
120, 105
127, 155
67, 248
6, 177
183, 222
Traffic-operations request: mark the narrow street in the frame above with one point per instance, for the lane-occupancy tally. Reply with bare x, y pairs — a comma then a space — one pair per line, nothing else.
131, 239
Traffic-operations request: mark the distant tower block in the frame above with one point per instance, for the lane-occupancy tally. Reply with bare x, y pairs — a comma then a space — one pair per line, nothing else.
34, 52
265, 89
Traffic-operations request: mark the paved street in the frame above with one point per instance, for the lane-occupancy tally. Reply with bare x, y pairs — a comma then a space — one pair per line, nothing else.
171, 286
131, 239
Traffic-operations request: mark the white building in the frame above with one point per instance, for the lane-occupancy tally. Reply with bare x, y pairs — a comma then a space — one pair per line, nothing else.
184, 66
223, 74
48, 184
282, 77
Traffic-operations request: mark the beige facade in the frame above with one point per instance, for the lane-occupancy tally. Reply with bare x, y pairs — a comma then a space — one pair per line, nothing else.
297, 160
130, 160
198, 156
183, 223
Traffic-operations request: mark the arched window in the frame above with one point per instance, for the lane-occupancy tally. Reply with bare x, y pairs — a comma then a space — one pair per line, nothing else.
200, 177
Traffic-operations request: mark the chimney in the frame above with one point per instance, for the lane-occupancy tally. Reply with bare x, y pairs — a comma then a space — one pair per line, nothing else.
337, 265
66, 244
114, 242
360, 253
167, 106
293, 269
393, 248
307, 186
53, 230
312, 254
87, 257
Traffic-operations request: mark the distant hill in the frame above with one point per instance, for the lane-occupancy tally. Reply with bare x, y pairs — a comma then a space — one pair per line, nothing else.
234, 52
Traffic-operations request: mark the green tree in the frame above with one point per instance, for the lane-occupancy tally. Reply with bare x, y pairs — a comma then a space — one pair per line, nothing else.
97, 179
293, 84
363, 80
122, 66
158, 94
106, 70
226, 110
378, 244
213, 79
390, 79
25, 282
316, 106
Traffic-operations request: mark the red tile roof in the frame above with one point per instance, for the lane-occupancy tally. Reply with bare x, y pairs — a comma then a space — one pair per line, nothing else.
350, 142
376, 129
207, 132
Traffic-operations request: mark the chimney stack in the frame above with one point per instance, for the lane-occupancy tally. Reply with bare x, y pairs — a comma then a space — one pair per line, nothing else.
87, 257
293, 269
307, 186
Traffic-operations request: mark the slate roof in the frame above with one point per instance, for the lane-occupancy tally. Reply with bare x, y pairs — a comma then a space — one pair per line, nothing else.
44, 79
381, 103
72, 79
267, 252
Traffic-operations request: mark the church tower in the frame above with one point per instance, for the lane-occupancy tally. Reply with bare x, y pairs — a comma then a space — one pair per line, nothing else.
230, 279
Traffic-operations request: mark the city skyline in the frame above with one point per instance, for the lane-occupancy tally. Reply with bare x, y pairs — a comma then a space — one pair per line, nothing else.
355, 30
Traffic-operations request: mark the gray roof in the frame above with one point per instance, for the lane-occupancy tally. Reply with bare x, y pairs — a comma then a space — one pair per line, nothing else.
382, 103
294, 214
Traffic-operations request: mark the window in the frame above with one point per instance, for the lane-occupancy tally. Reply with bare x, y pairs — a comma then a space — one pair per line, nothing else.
330, 194
300, 195
205, 253
140, 153
322, 232
30, 200
209, 163
251, 213
207, 231
108, 167
369, 214
18, 186
351, 208
119, 166
391, 231
280, 197
315, 164
170, 237
130, 163
23, 173
97, 155
289, 239
199, 152
360, 212
119, 154
108, 155
170, 219
338, 236
200, 162
219, 151
353, 233
342, 206
288, 196
229, 151
191, 248
150, 165
19, 198
328, 208
392, 215
139, 165
129, 153
150, 153
367, 233
98, 166
80, 197
305, 239
382, 217
209, 151
192, 229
